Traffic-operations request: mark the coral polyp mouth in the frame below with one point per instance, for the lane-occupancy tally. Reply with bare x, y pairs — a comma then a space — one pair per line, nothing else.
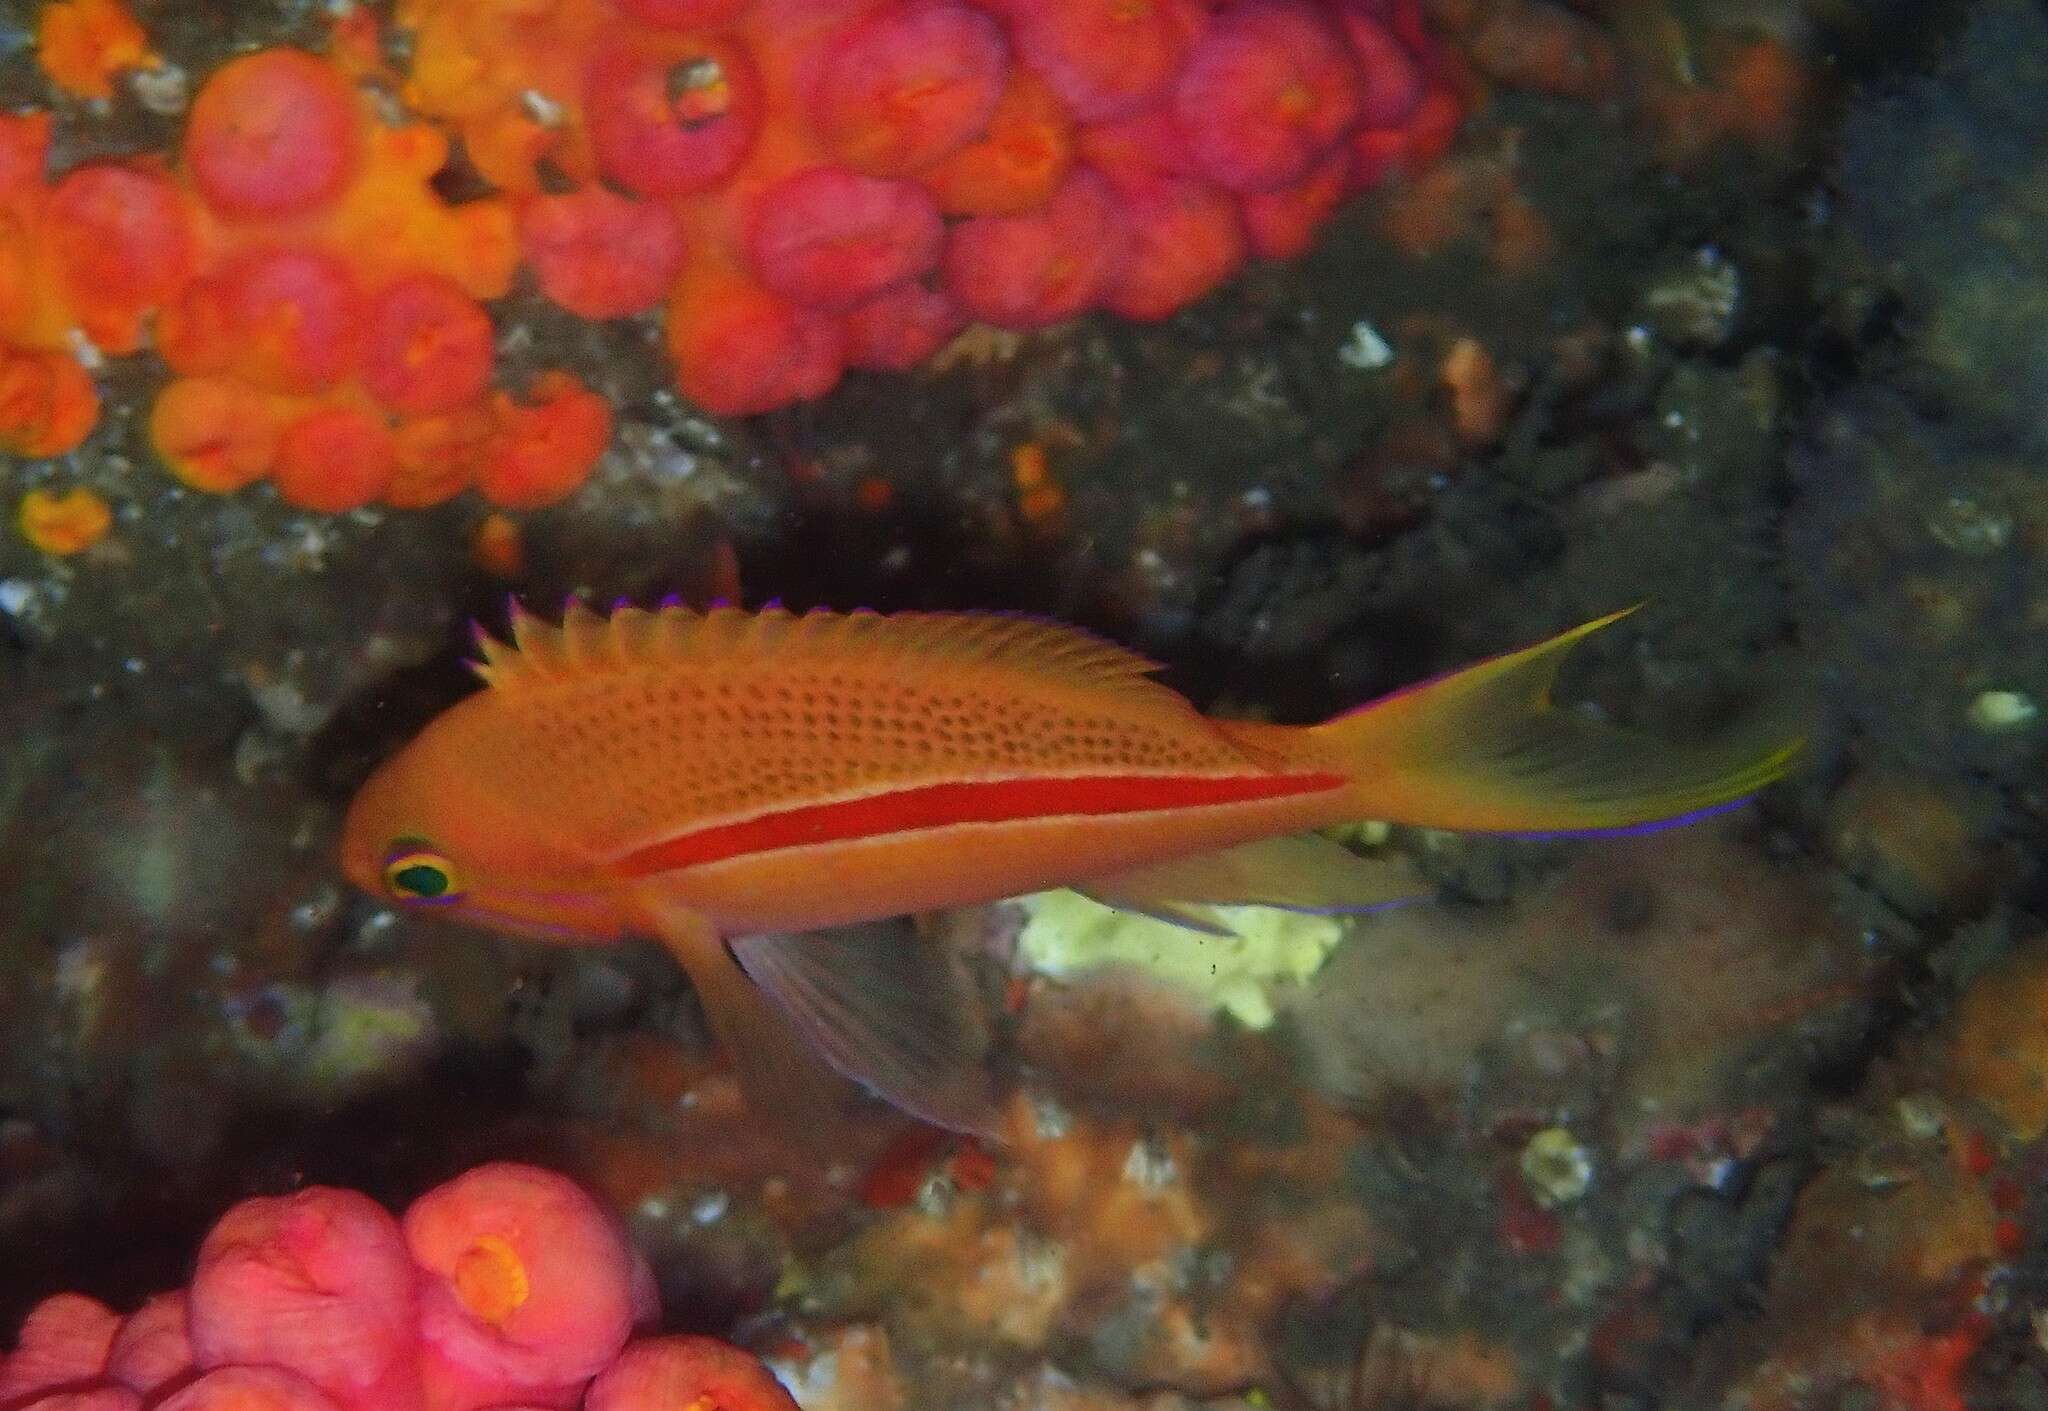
698, 91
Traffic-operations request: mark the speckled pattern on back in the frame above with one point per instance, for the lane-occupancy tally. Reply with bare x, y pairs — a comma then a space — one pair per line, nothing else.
634, 726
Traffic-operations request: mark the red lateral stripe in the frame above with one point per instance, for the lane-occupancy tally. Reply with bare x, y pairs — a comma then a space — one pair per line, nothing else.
982, 801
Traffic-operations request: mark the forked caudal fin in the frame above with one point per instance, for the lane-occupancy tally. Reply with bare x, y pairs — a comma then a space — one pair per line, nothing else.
1485, 750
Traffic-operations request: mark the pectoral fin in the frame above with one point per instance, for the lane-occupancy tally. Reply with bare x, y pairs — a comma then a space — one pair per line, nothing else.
1302, 872
784, 1083
885, 1010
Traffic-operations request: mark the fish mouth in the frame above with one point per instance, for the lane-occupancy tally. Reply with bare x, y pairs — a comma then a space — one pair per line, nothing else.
362, 845
559, 917
359, 864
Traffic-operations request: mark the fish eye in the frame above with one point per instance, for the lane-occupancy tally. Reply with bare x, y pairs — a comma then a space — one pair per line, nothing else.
413, 871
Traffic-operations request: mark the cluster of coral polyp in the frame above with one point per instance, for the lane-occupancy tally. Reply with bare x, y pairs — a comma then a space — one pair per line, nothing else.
806, 185
506, 1288
316, 298
84, 261
813, 185
331, 335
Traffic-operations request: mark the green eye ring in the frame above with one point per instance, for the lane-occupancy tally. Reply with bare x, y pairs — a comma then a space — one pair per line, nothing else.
414, 872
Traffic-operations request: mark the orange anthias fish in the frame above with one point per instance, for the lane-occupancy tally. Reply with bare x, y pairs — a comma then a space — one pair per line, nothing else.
727, 781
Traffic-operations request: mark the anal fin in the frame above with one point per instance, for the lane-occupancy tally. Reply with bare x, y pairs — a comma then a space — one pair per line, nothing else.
885, 1010
1112, 892
1301, 872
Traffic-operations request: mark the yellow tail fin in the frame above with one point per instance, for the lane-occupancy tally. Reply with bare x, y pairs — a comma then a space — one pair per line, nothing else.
1483, 749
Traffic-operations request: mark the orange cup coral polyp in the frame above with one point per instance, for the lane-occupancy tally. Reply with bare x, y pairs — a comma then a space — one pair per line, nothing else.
81, 45
84, 261
216, 434
120, 239
1017, 161
47, 403
69, 523
335, 458
540, 447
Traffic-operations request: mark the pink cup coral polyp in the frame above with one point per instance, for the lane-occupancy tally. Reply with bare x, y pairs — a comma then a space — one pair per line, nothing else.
831, 166
598, 254
426, 346
1266, 90
152, 1348
1041, 267
686, 1374
526, 1287
1105, 58
506, 1289
281, 319
272, 133
106, 1398
318, 1283
64, 1340
1282, 223
829, 237
1186, 238
907, 87
1390, 78
900, 327
248, 1389
671, 117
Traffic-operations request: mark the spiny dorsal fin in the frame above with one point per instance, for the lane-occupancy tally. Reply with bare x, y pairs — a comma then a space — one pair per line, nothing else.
588, 643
